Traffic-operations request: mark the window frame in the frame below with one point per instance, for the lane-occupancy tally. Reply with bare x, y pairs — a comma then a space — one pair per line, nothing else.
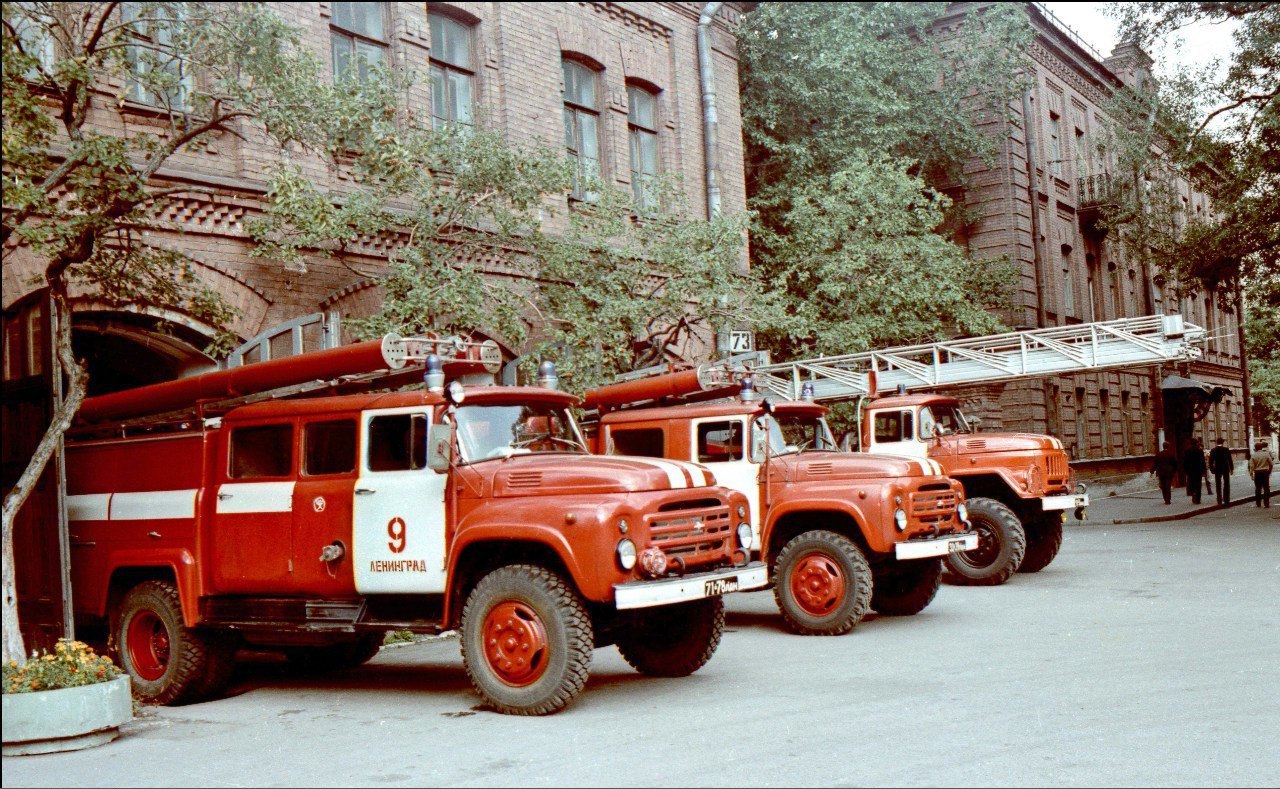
134, 90
637, 132
337, 31
446, 67
736, 428
305, 465
236, 430
365, 452
575, 110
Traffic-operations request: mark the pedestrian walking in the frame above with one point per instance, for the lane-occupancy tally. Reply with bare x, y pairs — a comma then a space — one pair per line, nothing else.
1195, 468
1260, 465
1165, 467
1222, 466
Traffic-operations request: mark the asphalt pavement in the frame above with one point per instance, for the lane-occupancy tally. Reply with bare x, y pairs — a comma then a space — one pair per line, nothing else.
1144, 655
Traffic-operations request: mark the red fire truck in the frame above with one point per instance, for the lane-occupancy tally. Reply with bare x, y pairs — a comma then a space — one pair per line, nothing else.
314, 521
840, 532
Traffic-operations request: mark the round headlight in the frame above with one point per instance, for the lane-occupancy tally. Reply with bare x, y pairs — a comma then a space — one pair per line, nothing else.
900, 520
744, 535
963, 512
626, 554
742, 510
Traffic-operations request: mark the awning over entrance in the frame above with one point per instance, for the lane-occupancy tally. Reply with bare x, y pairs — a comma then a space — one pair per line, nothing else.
1209, 391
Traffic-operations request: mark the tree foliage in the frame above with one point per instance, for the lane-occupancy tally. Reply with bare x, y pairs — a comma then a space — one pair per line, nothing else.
488, 242
858, 117
79, 196
1222, 133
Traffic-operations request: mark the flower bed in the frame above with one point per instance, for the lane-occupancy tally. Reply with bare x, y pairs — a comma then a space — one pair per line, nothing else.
68, 699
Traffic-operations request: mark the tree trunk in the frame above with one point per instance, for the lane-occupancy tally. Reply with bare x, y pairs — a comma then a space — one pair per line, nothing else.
77, 378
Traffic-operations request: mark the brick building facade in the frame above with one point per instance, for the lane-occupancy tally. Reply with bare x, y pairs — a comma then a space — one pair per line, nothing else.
1073, 271
635, 77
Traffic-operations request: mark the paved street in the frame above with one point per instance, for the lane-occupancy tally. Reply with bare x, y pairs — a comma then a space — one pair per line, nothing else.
1145, 655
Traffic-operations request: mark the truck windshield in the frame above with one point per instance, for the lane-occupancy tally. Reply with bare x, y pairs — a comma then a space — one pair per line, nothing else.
796, 433
938, 420
496, 431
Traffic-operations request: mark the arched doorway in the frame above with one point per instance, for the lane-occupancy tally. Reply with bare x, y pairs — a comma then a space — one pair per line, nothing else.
123, 350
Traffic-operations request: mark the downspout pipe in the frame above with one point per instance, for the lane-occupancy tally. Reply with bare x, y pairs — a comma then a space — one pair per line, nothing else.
709, 119
1027, 137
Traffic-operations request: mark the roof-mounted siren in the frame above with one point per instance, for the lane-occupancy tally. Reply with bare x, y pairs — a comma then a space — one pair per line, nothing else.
547, 378
806, 391
434, 374
748, 393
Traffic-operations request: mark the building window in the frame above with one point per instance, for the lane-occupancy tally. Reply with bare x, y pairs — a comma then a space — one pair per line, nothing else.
642, 126
1055, 144
1144, 408
1068, 287
31, 23
1082, 433
157, 74
581, 125
1126, 418
452, 72
1104, 403
358, 33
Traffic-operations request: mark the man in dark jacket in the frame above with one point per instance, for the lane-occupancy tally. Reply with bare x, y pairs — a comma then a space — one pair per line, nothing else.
1165, 468
1195, 468
1222, 466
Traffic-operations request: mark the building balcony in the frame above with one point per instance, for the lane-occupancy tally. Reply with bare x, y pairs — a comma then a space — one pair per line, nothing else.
1093, 191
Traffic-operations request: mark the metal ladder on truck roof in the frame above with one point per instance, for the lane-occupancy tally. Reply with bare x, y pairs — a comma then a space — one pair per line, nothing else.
1085, 347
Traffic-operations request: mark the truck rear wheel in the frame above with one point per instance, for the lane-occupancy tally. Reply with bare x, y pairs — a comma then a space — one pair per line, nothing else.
1044, 539
906, 588
336, 657
1001, 546
526, 640
822, 584
674, 640
167, 662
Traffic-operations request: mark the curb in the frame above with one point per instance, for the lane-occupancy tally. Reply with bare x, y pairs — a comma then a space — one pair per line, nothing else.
1184, 515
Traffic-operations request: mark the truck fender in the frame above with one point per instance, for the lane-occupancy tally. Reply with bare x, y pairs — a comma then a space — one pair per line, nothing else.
821, 505
179, 561
509, 535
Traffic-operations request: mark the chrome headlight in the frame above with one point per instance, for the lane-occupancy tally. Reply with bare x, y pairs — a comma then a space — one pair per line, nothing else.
744, 535
900, 520
626, 554
963, 512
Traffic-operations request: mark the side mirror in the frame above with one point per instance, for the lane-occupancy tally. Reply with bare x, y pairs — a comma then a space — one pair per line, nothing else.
759, 437
440, 447
974, 421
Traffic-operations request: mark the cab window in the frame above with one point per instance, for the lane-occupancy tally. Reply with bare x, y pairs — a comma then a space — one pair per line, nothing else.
719, 442
329, 447
398, 442
891, 426
261, 451
649, 442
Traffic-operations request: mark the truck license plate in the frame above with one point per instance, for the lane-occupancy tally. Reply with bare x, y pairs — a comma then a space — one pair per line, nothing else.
720, 586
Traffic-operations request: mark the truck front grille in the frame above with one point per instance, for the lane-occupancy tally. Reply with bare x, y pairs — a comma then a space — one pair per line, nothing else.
933, 506
695, 536
1059, 471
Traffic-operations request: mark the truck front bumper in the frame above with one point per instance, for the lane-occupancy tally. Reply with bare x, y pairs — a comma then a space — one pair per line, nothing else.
940, 546
695, 586
1068, 502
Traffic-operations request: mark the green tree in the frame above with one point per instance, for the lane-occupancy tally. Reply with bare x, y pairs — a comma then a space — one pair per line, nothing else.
489, 242
1223, 134
859, 118
79, 196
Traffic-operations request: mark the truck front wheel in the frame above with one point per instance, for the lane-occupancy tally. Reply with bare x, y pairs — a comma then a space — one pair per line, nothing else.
167, 662
906, 588
674, 640
822, 584
1044, 538
1001, 546
526, 640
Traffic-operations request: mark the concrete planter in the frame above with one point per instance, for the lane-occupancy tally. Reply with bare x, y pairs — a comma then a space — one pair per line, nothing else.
47, 721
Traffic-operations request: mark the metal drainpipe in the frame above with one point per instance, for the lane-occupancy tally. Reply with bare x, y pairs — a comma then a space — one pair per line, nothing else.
709, 122
1244, 370
1027, 123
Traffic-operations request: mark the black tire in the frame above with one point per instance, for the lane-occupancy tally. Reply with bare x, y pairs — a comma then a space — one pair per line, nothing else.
906, 588
336, 657
176, 664
1001, 545
564, 657
674, 640
839, 557
1044, 539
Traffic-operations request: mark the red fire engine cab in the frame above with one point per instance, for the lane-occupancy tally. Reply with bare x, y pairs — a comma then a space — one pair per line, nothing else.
316, 524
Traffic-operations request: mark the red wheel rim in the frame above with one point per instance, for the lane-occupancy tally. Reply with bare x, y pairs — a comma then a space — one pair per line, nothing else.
515, 644
148, 645
817, 584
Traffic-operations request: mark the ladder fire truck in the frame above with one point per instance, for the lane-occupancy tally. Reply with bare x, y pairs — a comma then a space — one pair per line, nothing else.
289, 505
1017, 486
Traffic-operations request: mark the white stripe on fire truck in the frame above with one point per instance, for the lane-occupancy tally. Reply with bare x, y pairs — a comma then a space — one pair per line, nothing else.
153, 505
675, 477
251, 497
696, 472
89, 507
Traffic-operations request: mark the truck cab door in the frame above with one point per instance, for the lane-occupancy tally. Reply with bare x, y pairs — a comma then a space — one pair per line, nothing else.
722, 445
399, 506
893, 432
253, 510
322, 506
